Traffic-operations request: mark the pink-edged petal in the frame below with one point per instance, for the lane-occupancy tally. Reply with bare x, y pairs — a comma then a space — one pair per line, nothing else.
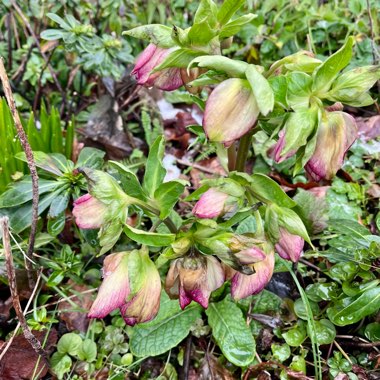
115, 286
144, 58
289, 246
334, 137
279, 147
211, 204
250, 255
215, 273
231, 111
245, 285
89, 213
167, 80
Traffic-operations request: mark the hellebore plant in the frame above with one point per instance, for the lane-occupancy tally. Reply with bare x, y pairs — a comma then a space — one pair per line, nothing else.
298, 101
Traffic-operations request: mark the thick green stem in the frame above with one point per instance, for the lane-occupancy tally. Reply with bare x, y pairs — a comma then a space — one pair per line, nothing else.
242, 154
147, 207
231, 151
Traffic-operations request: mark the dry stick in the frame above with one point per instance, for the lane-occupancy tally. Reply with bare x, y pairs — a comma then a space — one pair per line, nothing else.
33, 341
31, 164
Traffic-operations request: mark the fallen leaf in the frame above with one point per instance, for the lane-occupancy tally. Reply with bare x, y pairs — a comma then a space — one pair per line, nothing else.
21, 361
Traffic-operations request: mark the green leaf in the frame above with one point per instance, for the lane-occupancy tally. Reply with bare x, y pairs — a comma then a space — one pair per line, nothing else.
261, 89
281, 352
178, 58
352, 309
52, 34
372, 331
351, 87
233, 27
22, 192
69, 344
155, 172
201, 33
56, 225
129, 181
325, 331
90, 158
231, 67
43, 161
157, 34
166, 331
298, 90
266, 189
152, 239
296, 335
301, 310
59, 203
298, 127
207, 10
228, 9
87, 351
325, 74
61, 364
231, 332
167, 195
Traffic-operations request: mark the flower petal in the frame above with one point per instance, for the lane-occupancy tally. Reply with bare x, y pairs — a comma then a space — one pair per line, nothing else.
115, 286
245, 285
334, 138
211, 204
89, 213
231, 111
289, 246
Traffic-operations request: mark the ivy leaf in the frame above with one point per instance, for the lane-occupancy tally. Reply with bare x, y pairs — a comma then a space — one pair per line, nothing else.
231, 332
166, 331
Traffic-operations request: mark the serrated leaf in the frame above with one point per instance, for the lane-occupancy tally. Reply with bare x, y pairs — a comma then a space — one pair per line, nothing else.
157, 34
325, 74
231, 332
234, 26
166, 331
298, 90
155, 171
228, 9
167, 195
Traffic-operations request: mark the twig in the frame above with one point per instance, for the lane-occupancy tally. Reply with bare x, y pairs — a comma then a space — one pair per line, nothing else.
342, 351
31, 164
9, 342
197, 166
33, 341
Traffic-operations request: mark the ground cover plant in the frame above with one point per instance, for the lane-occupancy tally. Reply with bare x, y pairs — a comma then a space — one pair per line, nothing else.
190, 190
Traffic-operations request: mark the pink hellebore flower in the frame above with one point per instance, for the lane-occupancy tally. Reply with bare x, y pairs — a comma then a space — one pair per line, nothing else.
168, 79
231, 111
278, 148
89, 213
289, 246
212, 204
243, 285
334, 137
132, 283
193, 279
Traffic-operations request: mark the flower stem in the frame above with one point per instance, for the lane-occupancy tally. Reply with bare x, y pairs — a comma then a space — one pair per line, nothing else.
231, 151
242, 153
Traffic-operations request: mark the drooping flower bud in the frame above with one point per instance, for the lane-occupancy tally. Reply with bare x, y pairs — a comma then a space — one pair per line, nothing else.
231, 111
214, 203
236, 251
193, 279
337, 132
144, 302
243, 285
132, 283
168, 79
89, 212
289, 246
